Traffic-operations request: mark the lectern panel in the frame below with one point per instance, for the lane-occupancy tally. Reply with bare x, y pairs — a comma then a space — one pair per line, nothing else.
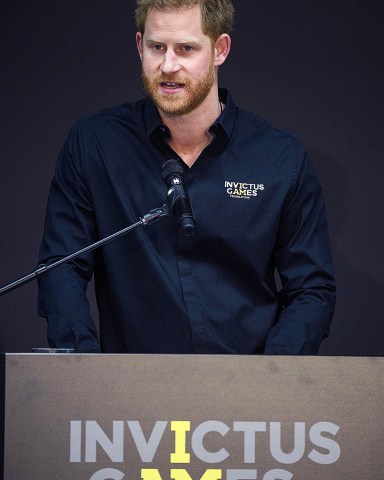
160, 417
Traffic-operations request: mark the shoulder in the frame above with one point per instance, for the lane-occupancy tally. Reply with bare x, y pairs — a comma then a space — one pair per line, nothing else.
109, 126
124, 114
276, 149
101, 131
244, 127
249, 124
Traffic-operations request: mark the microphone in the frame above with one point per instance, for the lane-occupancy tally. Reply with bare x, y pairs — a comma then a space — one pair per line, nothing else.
173, 175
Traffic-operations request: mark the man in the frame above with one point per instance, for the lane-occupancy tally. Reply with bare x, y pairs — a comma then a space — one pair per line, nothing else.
255, 199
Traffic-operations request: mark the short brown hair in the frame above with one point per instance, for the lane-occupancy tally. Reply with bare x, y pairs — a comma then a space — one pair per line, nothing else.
217, 15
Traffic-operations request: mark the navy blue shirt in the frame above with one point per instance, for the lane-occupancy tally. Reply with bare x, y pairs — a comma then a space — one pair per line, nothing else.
258, 206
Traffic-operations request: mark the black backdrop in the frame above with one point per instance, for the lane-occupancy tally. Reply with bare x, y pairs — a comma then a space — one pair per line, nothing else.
312, 67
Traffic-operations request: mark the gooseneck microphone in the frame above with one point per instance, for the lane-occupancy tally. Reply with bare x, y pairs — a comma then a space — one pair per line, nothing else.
173, 175
178, 202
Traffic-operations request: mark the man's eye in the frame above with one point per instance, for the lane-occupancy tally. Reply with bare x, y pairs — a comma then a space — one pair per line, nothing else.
187, 48
157, 48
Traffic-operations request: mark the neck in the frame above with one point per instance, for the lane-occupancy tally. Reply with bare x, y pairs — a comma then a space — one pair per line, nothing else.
190, 132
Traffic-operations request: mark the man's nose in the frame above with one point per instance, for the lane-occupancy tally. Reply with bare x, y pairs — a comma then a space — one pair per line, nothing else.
170, 63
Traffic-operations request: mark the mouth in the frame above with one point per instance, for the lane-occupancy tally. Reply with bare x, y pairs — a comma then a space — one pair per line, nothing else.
171, 86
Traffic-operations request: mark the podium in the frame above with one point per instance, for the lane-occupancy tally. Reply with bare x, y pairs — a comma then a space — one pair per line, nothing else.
183, 417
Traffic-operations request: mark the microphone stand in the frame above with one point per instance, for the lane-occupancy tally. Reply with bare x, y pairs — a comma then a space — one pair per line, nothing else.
147, 219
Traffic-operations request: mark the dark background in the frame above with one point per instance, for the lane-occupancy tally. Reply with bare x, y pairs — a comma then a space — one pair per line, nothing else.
312, 67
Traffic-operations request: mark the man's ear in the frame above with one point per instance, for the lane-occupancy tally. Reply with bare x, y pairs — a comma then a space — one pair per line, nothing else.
221, 49
139, 44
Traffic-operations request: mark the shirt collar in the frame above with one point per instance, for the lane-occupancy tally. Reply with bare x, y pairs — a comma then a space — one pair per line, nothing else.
221, 129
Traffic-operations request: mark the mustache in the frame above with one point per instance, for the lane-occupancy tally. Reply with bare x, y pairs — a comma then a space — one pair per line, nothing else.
171, 78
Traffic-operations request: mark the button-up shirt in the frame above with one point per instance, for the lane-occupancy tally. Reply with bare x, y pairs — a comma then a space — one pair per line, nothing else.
259, 215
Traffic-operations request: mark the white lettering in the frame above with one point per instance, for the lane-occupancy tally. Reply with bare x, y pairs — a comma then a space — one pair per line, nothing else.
333, 448
95, 435
249, 429
75, 442
197, 441
108, 474
147, 449
281, 475
87, 443
241, 474
298, 443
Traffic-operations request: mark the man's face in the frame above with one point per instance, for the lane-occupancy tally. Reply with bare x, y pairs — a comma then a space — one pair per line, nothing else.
177, 60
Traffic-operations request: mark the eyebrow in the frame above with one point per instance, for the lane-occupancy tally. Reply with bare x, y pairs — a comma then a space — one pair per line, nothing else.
184, 42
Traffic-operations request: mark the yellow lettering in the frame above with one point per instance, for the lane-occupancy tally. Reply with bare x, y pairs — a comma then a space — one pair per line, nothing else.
150, 474
180, 455
210, 474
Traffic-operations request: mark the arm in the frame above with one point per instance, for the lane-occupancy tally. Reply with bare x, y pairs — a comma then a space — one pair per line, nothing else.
303, 259
69, 226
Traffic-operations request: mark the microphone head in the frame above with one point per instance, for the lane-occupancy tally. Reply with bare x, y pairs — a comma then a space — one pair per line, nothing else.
173, 175
171, 169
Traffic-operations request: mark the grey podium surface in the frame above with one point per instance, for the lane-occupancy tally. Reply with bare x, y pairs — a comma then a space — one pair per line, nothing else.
157, 417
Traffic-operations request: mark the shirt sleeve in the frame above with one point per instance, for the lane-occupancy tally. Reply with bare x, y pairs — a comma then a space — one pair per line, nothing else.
302, 257
69, 227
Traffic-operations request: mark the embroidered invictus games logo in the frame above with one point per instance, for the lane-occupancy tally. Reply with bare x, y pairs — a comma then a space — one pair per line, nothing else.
243, 190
